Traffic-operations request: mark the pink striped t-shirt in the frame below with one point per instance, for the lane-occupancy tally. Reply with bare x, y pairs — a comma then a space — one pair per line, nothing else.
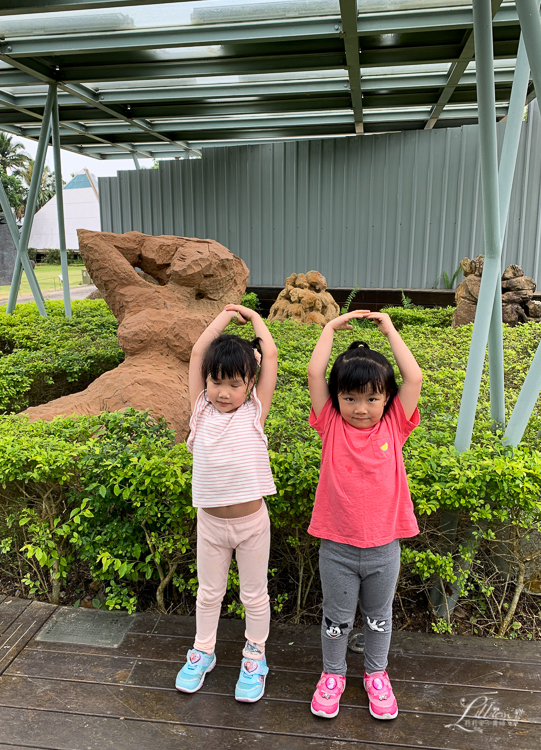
230, 457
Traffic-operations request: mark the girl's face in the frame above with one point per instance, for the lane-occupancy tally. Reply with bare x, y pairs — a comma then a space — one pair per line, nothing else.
227, 394
362, 410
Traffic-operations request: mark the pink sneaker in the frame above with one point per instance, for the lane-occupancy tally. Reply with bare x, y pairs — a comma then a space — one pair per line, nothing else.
326, 699
381, 700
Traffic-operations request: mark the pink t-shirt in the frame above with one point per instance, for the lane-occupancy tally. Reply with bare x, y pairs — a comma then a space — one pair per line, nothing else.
363, 498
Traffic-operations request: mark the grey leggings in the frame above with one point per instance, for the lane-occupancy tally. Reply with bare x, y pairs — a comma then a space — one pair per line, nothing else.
367, 575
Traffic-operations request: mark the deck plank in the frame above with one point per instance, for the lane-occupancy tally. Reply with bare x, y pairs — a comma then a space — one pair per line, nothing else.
288, 718
486, 673
60, 731
423, 644
416, 697
22, 630
10, 609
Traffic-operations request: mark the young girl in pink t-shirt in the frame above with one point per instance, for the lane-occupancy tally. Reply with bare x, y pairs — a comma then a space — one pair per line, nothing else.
362, 505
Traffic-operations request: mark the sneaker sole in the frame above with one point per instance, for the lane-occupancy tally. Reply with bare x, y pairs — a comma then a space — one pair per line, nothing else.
250, 700
324, 714
385, 717
205, 673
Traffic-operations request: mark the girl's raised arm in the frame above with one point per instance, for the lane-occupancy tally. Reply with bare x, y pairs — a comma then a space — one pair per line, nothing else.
317, 368
269, 361
196, 384
412, 377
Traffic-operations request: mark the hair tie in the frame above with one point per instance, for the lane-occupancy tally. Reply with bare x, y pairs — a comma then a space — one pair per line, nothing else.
257, 356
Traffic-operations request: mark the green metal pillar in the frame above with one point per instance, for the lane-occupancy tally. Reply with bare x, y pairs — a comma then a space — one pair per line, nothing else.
60, 203
524, 406
15, 234
22, 260
136, 161
530, 23
506, 174
484, 62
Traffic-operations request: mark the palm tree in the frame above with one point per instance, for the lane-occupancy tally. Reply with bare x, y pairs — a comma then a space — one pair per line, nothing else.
12, 155
47, 186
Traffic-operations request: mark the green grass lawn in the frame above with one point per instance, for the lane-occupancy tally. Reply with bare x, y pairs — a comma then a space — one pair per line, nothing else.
48, 280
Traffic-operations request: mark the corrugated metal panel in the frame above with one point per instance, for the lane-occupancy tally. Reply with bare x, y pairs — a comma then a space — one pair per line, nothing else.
393, 210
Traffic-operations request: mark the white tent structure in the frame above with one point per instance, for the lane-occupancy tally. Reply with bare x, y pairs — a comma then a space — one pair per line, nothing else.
81, 211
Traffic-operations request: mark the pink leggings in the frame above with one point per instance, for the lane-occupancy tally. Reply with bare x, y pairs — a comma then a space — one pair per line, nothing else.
249, 536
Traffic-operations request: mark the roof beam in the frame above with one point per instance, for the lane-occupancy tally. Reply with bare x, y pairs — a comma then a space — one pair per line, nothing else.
348, 12
292, 29
430, 19
199, 93
221, 66
181, 36
314, 28
456, 71
28, 115
176, 112
12, 7
89, 96
439, 53
302, 88
12, 77
120, 132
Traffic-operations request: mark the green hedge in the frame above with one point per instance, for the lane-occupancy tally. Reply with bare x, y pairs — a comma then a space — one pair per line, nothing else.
45, 358
112, 493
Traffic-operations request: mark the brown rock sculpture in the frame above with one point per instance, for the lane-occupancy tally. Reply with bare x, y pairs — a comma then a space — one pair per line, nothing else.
517, 293
304, 299
467, 292
192, 280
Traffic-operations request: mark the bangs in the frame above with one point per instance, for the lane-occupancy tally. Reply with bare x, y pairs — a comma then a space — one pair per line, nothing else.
229, 357
361, 369
361, 375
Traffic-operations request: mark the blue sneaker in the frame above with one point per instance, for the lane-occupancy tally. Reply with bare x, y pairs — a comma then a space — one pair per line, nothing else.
251, 683
192, 675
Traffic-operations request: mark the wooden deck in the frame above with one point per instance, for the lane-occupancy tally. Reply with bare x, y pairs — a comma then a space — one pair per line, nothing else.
453, 692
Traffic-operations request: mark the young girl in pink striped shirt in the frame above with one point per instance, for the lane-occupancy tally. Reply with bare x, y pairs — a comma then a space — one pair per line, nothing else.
231, 475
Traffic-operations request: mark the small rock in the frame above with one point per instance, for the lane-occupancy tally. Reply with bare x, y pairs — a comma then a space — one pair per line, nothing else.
517, 297
468, 290
512, 272
534, 308
464, 314
518, 283
513, 314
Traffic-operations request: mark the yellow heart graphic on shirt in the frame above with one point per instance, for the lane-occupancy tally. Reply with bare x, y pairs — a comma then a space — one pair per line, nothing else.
384, 446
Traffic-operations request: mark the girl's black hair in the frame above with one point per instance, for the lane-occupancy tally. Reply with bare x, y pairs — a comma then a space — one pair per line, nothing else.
360, 368
229, 357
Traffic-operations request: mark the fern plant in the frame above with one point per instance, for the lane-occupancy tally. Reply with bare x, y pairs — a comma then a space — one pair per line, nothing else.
448, 283
345, 308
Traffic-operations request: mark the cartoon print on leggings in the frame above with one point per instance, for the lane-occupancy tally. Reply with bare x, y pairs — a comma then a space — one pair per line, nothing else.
334, 631
375, 625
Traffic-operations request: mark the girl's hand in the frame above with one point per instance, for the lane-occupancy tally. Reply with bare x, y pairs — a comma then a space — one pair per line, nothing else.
342, 322
382, 320
242, 314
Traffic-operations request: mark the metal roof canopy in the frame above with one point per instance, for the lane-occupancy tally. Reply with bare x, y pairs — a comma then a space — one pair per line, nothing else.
166, 79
